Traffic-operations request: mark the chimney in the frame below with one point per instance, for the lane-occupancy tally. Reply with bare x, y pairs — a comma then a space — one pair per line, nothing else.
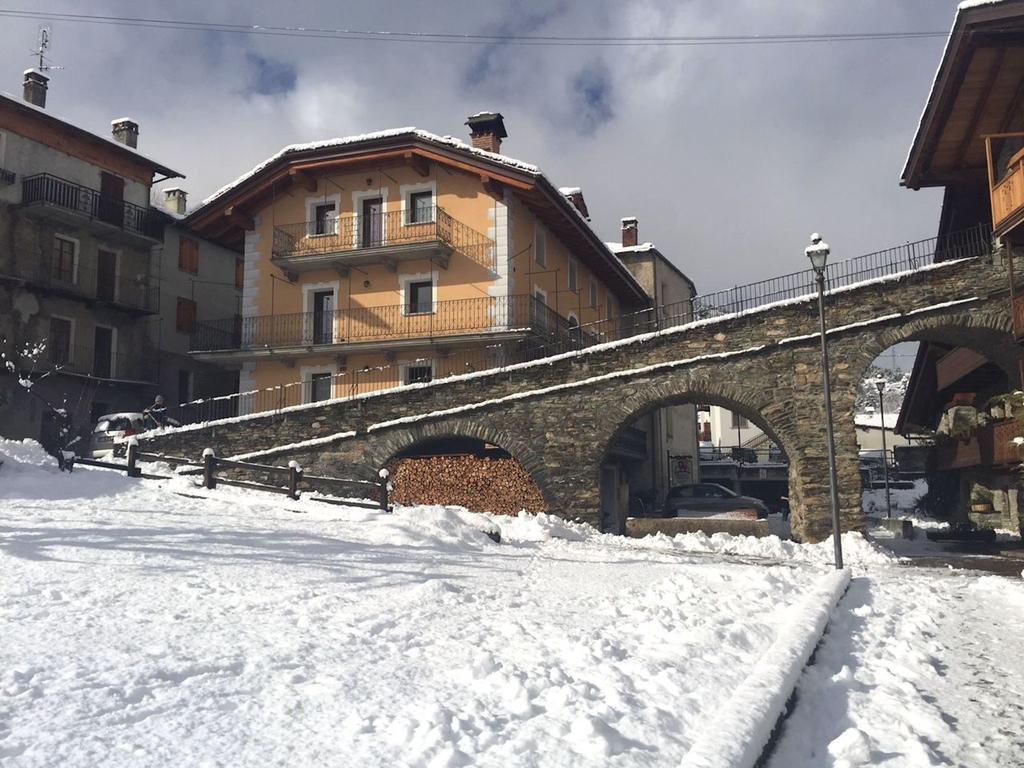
176, 200
36, 84
126, 131
575, 195
486, 130
629, 233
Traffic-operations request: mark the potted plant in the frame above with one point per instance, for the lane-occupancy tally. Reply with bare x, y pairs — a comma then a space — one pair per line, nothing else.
981, 499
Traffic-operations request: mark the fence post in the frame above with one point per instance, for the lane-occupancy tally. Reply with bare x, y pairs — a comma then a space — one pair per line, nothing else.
209, 466
294, 476
133, 457
385, 489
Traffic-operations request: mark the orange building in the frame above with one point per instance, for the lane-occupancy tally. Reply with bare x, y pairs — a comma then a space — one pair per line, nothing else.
401, 256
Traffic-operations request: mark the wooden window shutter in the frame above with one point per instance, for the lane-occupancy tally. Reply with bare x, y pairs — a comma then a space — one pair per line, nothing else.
188, 255
186, 319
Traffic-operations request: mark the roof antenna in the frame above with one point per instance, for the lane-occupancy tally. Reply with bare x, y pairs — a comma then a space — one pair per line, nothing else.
40, 52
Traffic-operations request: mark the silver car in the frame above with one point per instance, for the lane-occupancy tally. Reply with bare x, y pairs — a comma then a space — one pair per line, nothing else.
709, 499
111, 433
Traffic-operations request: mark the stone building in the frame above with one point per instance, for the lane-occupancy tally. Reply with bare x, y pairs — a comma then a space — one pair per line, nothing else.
77, 235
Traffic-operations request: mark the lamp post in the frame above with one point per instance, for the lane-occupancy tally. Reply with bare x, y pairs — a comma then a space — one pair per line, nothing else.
880, 384
818, 252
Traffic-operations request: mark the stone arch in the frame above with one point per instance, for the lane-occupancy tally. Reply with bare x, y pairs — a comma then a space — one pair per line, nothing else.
390, 444
642, 397
988, 332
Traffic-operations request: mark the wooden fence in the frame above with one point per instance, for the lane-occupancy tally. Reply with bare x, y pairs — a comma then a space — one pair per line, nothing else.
293, 479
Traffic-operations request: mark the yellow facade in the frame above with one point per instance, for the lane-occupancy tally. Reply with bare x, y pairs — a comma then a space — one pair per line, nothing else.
482, 290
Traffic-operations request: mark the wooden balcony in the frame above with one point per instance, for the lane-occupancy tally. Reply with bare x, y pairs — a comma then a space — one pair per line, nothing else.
1006, 184
386, 238
990, 445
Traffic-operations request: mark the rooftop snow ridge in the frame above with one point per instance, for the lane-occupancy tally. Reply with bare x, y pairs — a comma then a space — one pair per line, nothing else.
342, 141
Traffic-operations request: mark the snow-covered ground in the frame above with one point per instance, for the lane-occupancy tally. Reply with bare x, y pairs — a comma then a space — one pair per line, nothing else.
142, 627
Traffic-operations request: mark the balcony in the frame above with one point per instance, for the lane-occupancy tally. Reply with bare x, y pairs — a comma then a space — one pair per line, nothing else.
989, 445
386, 327
135, 295
80, 360
109, 216
356, 240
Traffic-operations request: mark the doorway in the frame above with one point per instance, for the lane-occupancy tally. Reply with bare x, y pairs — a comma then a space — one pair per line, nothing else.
371, 231
103, 352
111, 203
106, 275
323, 317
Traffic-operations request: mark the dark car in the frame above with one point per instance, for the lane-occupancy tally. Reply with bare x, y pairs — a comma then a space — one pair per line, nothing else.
708, 499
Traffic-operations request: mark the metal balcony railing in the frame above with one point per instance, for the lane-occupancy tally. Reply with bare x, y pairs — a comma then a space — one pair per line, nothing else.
432, 320
45, 189
354, 232
83, 360
139, 293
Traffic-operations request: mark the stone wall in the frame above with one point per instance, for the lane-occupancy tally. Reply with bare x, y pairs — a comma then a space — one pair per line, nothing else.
559, 417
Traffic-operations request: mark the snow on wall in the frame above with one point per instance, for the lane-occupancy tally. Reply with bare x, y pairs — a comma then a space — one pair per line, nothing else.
742, 728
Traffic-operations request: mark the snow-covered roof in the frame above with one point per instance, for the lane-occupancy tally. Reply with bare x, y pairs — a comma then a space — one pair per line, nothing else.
975, 3
567, 191
344, 141
21, 103
159, 201
874, 420
641, 248
117, 120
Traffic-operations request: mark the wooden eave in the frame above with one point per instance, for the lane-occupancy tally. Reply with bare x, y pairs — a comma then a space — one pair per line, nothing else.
219, 221
979, 87
103, 144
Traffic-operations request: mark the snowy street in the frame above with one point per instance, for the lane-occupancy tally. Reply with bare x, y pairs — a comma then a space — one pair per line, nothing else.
142, 627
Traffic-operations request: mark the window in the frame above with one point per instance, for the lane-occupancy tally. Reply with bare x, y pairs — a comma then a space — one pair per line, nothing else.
574, 275
184, 385
419, 373
540, 309
319, 387
739, 422
419, 297
420, 207
186, 318
188, 255
593, 293
540, 245
324, 220
60, 341
65, 258
239, 273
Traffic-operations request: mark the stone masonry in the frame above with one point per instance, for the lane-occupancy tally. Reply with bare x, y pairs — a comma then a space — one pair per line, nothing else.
559, 417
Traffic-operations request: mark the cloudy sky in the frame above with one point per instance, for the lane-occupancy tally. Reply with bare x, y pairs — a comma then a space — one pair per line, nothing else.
729, 155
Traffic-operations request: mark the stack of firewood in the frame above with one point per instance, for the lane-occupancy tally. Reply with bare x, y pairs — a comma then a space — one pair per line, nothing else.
499, 486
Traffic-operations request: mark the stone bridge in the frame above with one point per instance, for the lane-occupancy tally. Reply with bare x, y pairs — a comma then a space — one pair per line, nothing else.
559, 416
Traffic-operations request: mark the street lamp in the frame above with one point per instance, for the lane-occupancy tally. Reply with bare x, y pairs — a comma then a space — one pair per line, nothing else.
880, 384
818, 252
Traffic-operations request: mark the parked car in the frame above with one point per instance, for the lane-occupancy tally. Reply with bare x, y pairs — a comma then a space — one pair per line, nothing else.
707, 499
111, 433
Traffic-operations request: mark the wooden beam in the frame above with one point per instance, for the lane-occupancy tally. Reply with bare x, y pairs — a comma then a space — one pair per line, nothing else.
954, 365
979, 107
239, 218
303, 179
419, 164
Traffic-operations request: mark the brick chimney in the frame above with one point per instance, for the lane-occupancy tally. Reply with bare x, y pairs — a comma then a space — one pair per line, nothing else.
36, 84
176, 199
629, 232
126, 131
486, 130
575, 195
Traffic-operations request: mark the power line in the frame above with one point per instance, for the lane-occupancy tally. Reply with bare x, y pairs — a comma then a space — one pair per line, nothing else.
448, 38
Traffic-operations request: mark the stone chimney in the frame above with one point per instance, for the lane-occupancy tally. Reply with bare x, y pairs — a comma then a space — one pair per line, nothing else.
486, 130
36, 84
629, 232
176, 200
126, 131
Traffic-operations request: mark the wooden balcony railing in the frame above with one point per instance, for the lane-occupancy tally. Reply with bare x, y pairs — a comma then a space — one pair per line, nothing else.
351, 233
989, 445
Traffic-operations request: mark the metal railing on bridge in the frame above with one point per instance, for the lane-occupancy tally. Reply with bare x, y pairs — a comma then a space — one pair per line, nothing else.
908, 257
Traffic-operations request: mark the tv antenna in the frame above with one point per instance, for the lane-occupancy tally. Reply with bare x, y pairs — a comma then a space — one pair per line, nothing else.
40, 52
